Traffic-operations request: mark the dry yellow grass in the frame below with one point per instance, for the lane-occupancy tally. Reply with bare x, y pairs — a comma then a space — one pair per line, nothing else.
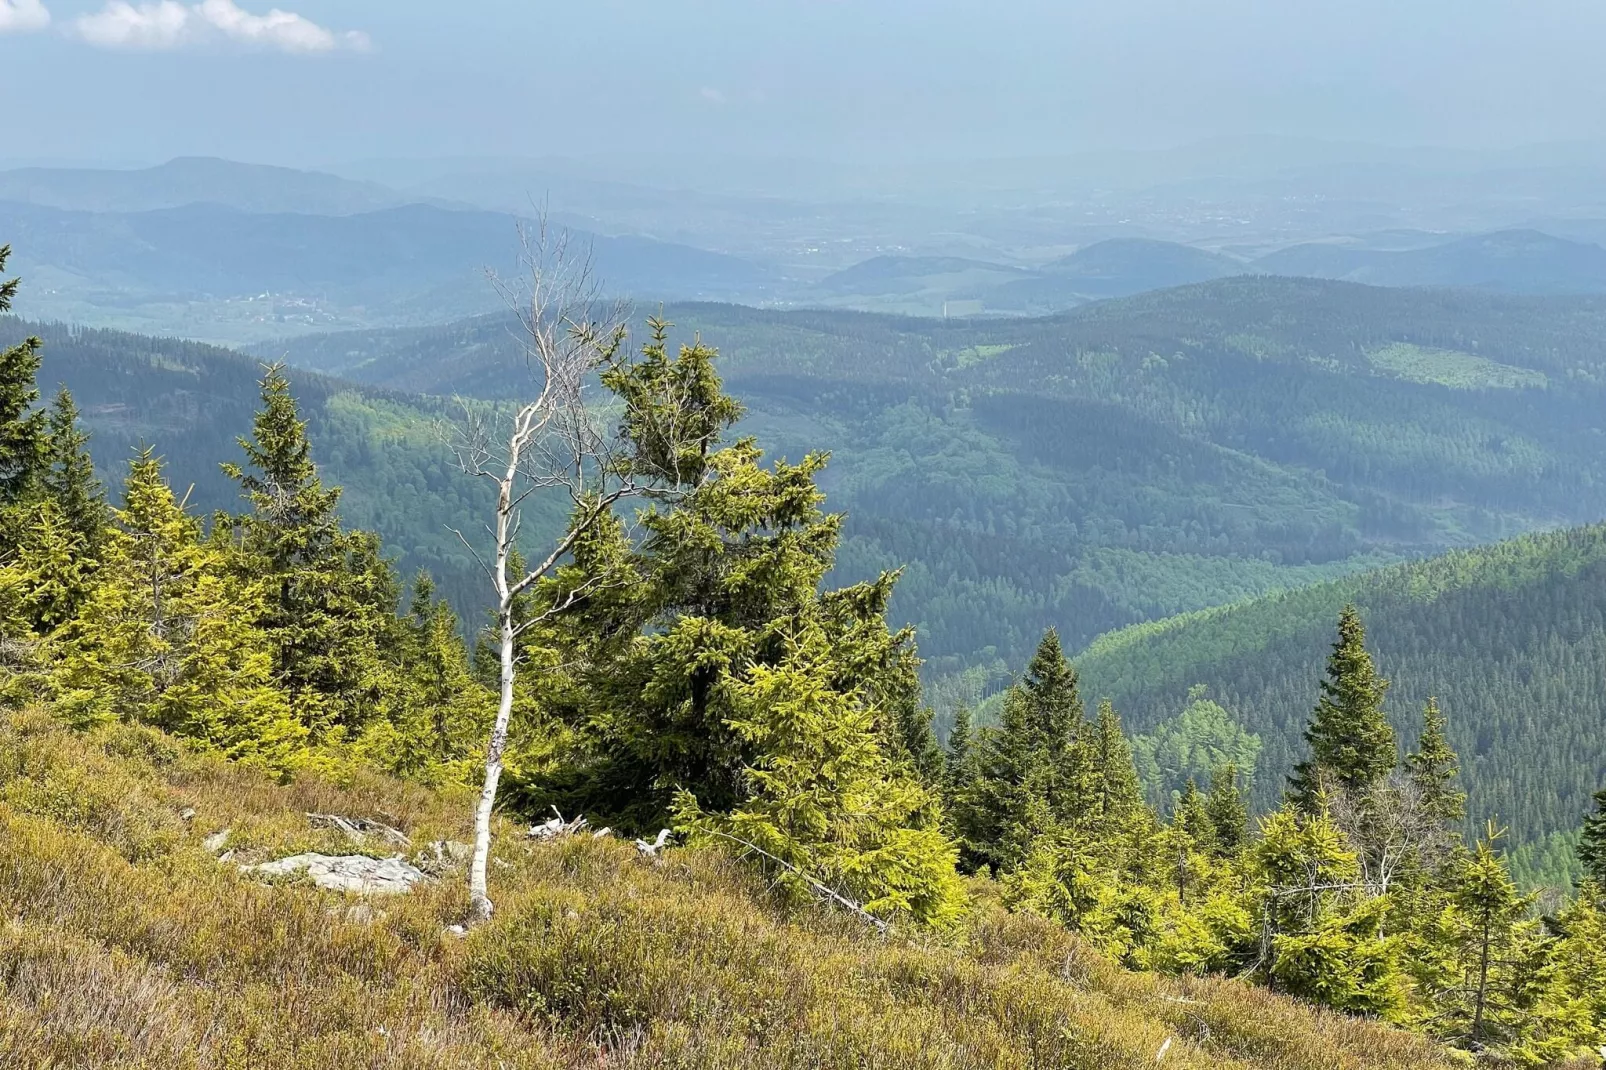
123, 943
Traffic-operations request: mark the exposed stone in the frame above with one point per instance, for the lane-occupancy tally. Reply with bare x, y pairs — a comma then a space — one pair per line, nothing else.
217, 841
346, 873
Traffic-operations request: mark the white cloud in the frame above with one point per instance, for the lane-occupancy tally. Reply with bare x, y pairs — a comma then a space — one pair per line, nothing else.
166, 24
712, 95
23, 16
122, 25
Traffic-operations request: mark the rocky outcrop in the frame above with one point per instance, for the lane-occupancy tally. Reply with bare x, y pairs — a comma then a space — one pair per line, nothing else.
346, 873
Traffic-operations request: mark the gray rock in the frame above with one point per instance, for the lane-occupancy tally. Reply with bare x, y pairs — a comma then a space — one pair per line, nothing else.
217, 841
346, 873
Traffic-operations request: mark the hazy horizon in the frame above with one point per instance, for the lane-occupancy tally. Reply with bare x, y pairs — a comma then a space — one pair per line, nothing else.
331, 83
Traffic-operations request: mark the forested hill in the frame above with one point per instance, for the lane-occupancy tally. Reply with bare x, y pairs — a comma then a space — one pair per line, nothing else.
1138, 457
191, 402
1510, 638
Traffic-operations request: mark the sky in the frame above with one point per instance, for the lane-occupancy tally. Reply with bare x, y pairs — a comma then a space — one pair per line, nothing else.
326, 81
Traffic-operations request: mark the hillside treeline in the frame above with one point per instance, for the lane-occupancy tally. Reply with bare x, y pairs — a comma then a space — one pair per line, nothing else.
689, 666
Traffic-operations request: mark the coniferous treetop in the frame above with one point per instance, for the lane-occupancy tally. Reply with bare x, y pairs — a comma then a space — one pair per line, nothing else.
284, 488
22, 428
1434, 766
1050, 686
1592, 848
1351, 743
70, 476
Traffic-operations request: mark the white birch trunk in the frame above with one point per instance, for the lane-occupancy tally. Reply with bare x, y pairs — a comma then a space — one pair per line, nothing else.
478, 888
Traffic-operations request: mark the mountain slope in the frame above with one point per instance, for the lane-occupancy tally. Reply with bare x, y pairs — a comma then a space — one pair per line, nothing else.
190, 402
912, 283
254, 275
195, 180
1122, 266
1511, 638
1516, 261
1138, 457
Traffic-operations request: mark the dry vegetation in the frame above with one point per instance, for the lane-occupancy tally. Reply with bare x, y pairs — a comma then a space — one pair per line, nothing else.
125, 943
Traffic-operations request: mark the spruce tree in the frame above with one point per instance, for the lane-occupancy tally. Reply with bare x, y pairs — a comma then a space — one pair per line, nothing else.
1120, 795
1433, 768
70, 475
1351, 744
956, 760
439, 717
1592, 846
909, 720
170, 636
1228, 813
23, 430
1321, 935
1490, 929
824, 799
1192, 816
1058, 728
331, 611
649, 662
51, 568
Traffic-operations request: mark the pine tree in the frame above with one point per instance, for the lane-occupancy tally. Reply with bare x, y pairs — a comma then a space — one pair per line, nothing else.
332, 602
1228, 813
1434, 766
70, 475
1592, 846
23, 431
1352, 746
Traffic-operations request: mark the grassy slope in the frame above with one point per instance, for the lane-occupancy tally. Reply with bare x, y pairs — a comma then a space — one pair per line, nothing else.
1511, 638
126, 944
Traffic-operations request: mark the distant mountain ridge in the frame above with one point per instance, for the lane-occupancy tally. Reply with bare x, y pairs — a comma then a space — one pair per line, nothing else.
196, 180
1517, 261
411, 263
1513, 261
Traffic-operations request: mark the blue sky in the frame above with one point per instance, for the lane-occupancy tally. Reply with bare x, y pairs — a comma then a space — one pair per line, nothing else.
330, 80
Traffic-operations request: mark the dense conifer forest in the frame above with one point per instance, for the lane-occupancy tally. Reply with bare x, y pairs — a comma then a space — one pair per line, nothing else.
1509, 638
1140, 457
693, 664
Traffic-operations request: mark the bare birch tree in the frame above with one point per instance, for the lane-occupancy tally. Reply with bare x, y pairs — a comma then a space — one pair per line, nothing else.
550, 445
